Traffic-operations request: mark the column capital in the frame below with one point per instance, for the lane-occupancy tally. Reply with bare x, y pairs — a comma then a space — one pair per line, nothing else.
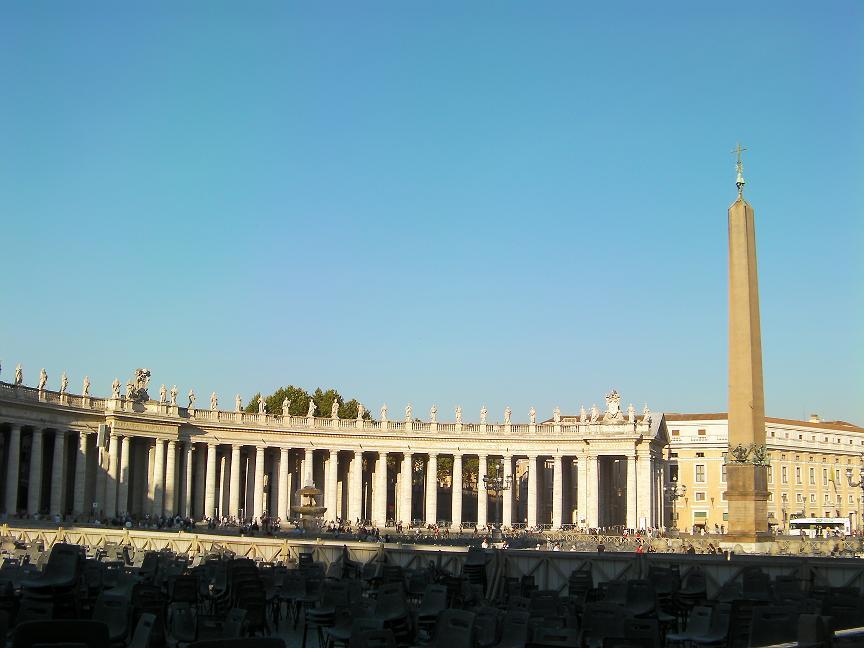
333, 452
533, 456
482, 455
172, 443
358, 453
433, 455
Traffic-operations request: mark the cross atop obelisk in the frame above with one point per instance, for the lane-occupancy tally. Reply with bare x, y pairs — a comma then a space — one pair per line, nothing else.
739, 168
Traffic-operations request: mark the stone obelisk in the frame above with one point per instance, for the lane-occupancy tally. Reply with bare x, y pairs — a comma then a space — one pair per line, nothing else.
747, 465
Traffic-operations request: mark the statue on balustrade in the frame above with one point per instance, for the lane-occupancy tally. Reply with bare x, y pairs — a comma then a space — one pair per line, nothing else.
556, 414
631, 413
360, 411
43, 379
408, 412
532, 415
507, 413
483, 414
646, 415
311, 411
595, 413
163, 394
433, 414
583, 415
458, 413
214, 402
130, 389
115, 388
191, 399
174, 393
85, 388
334, 409
19, 375
286, 407
613, 412
384, 412
238, 403
262, 405
64, 383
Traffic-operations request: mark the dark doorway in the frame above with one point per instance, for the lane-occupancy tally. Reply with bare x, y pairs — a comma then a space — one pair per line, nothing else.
613, 491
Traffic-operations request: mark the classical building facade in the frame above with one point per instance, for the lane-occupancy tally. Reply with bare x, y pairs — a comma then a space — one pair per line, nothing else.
806, 475
76, 455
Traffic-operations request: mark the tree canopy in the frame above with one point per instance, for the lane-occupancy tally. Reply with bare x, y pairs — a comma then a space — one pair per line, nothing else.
299, 399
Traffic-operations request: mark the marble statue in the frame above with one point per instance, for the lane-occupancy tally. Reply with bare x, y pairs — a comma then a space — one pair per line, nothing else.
286, 407
433, 414
458, 413
311, 411
507, 413
64, 382
384, 412
583, 416
19, 375
556, 414
483, 413
262, 405
214, 402
85, 387
631, 413
595, 413
334, 409
43, 378
360, 411
174, 395
646, 415
532, 415
191, 399
130, 389
408, 412
238, 403
613, 408
163, 394
115, 388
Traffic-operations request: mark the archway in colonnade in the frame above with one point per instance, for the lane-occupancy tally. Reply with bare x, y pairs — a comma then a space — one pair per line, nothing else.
612, 491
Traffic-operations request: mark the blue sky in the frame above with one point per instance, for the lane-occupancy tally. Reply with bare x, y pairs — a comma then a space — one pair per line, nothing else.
454, 203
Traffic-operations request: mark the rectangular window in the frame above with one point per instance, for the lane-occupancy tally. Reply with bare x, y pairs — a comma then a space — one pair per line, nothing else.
770, 496
797, 474
700, 455
824, 476
673, 473
826, 498
723, 469
851, 500
813, 476
784, 477
700, 497
837, 477
770, 474
799, 497
701, 432
839, 500
700, 514
676, 432
812, 498
700, 473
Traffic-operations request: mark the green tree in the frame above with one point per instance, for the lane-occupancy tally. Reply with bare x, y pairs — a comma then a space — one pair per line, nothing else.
299, 399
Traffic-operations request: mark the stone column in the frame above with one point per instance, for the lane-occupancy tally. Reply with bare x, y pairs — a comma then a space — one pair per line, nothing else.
170, 479
57, 473
432, 489
111, 481
330, 489
234, 486
643, 488
456, 509
284, 484
78, 505
593, 481
34, 489
12, 470
123, 486
557, 490
210, 483
582, 489
532, 491
379, 492
406, 485
507, 495
258, 493
632, 520
308, 467
482, 493
189, 448
159, 478
355, 491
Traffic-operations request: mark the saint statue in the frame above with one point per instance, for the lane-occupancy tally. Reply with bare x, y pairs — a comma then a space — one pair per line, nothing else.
556, 414
163, 394
532, 415
334, 409
191, 399
595, 413
613, 408
458, 413
286, 407
85, 388
408, 412
646, 415
631, 413
311, 411
583, 415
214, 402
262, 405
433, 414
64, 383
174, 395
238, 403
507, 413
384, 412
360, 411
483, 413
43, 379
19, 375
130, 389
115, 388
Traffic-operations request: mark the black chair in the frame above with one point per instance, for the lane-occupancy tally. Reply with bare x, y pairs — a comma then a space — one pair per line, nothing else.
92, 634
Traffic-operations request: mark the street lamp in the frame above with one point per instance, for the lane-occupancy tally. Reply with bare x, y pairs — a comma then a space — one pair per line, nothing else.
497, 483
673, 493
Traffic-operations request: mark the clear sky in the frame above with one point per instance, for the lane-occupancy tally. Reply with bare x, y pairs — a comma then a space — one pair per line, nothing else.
499, 203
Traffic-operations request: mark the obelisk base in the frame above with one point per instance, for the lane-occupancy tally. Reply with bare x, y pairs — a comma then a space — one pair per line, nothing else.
747, 494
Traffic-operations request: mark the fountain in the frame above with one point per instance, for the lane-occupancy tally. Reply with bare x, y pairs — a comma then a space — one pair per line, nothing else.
311, 513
